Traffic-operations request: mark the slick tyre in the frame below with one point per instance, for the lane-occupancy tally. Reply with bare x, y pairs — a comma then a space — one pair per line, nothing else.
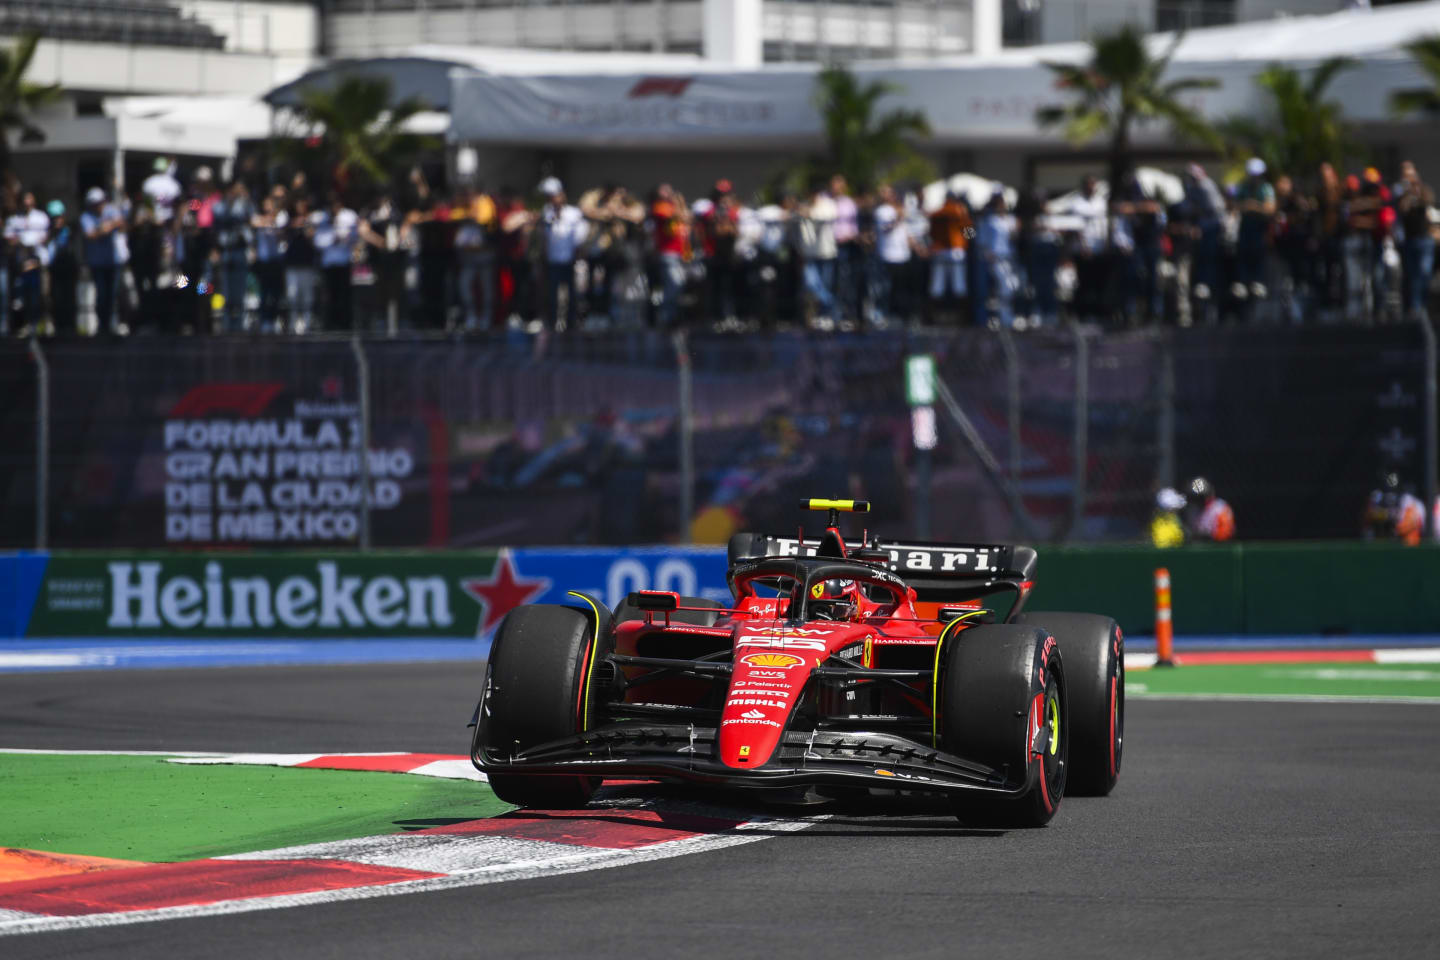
700, 618
1095, 670
1003, 703
535, 692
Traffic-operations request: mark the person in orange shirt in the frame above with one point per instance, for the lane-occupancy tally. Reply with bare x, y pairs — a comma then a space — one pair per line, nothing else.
670, 221
1215, 521
950, 233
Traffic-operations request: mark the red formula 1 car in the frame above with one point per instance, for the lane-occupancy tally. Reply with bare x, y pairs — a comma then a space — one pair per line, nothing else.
840, 664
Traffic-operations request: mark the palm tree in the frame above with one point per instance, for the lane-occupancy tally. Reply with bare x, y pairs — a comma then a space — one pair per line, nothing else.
1426, 52
1123, 86
859, 145
360, 134
1301, 129
19, 98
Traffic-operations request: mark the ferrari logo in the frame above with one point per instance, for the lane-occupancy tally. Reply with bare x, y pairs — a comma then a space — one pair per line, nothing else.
744, 751
818, 590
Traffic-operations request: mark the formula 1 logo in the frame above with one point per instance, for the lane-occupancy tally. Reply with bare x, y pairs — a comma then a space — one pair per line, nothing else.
773, 661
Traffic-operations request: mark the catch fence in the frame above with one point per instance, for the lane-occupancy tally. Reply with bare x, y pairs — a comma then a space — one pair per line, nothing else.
1059, 435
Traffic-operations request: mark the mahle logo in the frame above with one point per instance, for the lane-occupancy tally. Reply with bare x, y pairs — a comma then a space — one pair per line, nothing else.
140, 598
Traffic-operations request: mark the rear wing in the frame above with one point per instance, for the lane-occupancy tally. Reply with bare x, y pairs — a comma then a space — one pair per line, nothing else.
938, 571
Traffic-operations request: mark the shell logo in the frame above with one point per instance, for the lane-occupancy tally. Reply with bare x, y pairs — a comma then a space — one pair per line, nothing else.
783, 661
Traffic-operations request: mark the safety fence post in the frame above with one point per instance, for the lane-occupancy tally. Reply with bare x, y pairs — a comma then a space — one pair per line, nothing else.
1427, 331
687, 433
362, 377
1080, 445
1164, 628
1012, 409
42, 445
1165, 422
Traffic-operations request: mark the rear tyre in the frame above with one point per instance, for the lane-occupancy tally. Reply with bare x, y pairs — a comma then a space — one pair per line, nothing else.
1003, 703
700, 618
1095, 667
534, 693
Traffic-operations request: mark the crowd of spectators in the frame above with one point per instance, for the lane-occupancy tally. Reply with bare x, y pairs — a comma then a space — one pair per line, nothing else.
282, 257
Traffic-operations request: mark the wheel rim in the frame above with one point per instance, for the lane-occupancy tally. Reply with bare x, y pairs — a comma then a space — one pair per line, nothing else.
1056, 755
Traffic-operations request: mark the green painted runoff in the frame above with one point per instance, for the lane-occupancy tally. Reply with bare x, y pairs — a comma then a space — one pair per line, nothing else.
1289, 679
143, 808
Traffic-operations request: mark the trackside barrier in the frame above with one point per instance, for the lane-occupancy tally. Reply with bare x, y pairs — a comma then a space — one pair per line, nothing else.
1307, 589
1164, 628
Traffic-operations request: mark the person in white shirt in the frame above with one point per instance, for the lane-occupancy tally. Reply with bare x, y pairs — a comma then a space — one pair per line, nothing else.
26, 234
337, 233
1090, 277
893, 248
565, 229
817, 244
162, 190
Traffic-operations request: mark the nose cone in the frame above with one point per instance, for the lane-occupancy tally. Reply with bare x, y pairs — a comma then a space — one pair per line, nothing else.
763, 690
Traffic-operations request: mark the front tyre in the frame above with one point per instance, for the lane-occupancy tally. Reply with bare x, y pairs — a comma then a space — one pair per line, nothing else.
1003, 702
1095, 661
536, 691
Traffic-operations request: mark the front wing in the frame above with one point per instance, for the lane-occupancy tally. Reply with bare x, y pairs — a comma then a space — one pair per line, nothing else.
686, 752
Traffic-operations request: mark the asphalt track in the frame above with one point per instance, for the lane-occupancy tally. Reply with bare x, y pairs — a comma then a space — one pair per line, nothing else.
1238, 829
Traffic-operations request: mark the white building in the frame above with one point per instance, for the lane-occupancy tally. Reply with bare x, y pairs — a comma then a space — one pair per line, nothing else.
692, 128
749, 32
218, 56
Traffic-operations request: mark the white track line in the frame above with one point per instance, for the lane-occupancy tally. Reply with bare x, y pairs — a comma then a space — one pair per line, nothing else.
1400, 655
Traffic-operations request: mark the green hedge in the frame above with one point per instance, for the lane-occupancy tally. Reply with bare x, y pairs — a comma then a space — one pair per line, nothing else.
1281, 588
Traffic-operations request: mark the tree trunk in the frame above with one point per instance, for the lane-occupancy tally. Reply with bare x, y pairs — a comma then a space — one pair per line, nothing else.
1119, 160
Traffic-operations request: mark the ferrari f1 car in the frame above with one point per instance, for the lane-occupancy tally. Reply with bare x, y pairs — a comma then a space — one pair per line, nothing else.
839, 664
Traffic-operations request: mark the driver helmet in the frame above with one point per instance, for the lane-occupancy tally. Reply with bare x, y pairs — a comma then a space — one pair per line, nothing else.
833, 600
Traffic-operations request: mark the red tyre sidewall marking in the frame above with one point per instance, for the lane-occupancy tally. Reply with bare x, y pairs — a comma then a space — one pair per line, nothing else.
1037, 712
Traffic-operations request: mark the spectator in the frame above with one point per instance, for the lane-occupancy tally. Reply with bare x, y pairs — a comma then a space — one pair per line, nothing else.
1255, 199
893, 248
1295, 246
1414, 198
818, 247
147, 253
1329, 229
1089, 208
475, 258
849, 272
297, 228
1040, 252
718, 230
99, 224
950, 233
996, 240
234, 239
270, 258
432, 224
516, 224
670, 223
1361, 256
162, 191
383, 230
337, 233
1205, 209
564, 229
1144, 225
64, 269
27, 235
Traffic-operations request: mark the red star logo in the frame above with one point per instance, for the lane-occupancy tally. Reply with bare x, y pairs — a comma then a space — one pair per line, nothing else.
502, 591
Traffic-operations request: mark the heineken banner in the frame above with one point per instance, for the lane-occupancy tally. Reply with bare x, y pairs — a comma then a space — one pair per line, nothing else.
461, 595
